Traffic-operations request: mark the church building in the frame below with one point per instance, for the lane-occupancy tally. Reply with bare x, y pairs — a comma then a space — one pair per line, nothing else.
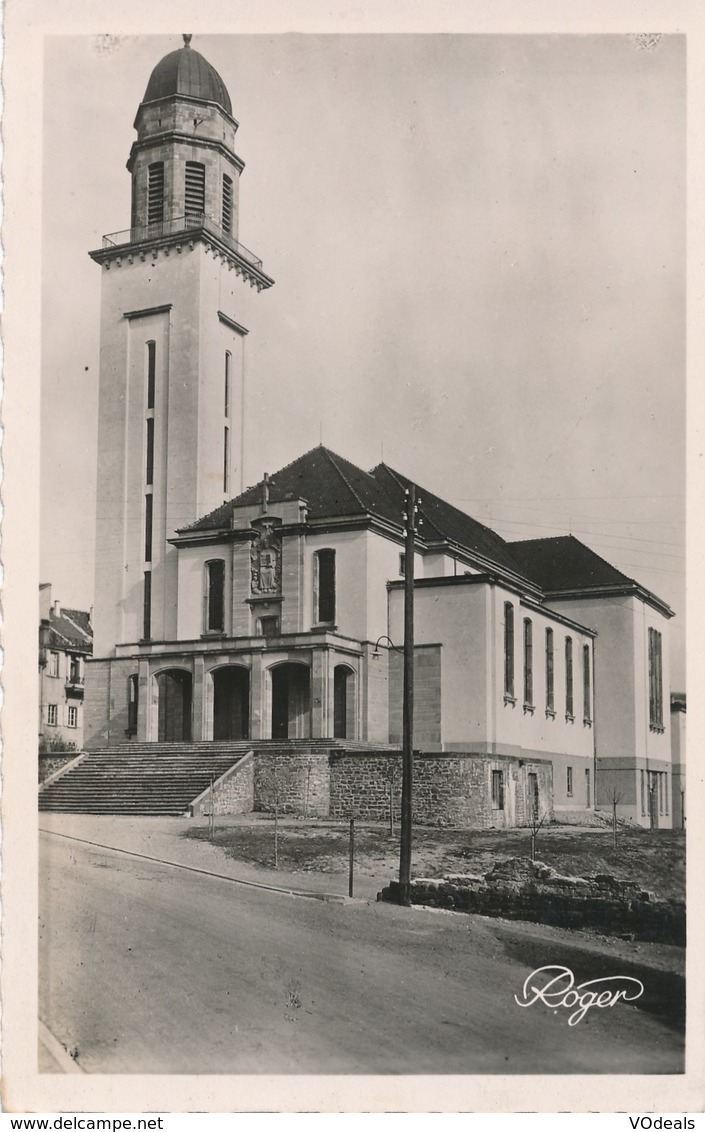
268, 622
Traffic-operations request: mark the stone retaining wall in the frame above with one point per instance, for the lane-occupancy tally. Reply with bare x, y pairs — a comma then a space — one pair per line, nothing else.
299, 779
233, 794
449, 789
521, 889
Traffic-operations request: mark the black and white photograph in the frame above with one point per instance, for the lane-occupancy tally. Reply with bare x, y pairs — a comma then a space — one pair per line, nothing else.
361, 687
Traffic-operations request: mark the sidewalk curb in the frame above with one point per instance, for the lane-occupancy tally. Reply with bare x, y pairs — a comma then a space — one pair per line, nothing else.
326, 897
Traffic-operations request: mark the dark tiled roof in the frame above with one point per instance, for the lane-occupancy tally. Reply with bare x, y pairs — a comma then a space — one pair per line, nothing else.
333, 488
69, 630
442, 521
565, 563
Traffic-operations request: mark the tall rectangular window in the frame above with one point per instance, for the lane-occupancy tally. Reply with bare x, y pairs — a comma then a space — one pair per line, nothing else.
227, 224
52, 714
72, 717
149, 459
643, 793
215, 596
147, 607
148, 512
151, 373
195, 190
587, 699
569, 677
53, 664
550, 700
324, 569
226, 459
569, 781
528, 663
228, 367
498, 789
655, 680
155, 193
509, 650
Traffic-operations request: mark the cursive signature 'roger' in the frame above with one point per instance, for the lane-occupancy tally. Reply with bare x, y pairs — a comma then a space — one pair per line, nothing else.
555, 987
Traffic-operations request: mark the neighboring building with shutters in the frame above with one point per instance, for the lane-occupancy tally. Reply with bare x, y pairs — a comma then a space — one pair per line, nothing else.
65, 643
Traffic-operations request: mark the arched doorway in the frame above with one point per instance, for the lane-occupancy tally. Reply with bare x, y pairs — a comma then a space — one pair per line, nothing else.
174, 706
291, 702
231, 703
343, 702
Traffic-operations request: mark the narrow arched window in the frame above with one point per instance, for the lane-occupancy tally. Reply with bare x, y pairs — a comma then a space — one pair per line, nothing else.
214, 596
569, 678
528, 663
587, 698
509, 650
549, 671
155, 193
195, 190
227, 213
324, 586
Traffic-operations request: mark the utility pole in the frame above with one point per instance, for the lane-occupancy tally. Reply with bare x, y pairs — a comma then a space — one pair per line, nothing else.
411, 520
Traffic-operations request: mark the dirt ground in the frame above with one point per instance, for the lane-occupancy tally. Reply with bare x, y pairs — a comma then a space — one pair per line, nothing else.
655, 859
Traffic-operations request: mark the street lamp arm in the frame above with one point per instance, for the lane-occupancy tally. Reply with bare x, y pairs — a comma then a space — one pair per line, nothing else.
389, 641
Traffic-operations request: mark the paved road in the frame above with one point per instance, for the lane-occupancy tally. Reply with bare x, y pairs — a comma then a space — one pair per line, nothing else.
149, 969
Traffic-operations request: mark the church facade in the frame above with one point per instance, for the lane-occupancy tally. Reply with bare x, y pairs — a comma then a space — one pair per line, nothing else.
276, 614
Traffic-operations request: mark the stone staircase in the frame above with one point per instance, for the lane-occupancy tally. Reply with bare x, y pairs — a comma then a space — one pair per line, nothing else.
158, 778
140, 778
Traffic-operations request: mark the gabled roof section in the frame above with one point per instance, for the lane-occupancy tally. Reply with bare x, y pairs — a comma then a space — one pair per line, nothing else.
331, 486
334, 488
443, 522
564, 565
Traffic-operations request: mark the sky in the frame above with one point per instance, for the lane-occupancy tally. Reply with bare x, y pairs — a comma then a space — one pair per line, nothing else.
478, 246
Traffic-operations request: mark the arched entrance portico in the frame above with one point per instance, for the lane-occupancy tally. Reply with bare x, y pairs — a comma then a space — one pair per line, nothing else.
290, 701
174, 696
231, 703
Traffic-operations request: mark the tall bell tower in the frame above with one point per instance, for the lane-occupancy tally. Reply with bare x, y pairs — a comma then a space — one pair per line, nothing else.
176, 293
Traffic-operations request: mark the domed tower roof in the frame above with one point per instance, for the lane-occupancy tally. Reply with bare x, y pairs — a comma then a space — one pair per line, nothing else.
186, 72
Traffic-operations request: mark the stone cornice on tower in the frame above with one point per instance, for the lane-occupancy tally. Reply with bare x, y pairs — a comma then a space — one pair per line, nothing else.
177, 234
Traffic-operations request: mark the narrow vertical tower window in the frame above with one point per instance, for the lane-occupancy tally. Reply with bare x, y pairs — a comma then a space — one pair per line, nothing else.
227, 215
226, 460
228, 367
155, 193
195, 190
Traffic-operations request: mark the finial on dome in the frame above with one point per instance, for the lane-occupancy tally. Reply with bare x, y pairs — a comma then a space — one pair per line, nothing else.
187, 40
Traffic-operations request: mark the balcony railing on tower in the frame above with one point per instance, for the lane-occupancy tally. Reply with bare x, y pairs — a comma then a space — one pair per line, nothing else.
190, 223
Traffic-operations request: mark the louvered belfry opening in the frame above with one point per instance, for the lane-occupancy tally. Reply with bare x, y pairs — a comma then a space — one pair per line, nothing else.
227, 224
155, 196
195, 194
